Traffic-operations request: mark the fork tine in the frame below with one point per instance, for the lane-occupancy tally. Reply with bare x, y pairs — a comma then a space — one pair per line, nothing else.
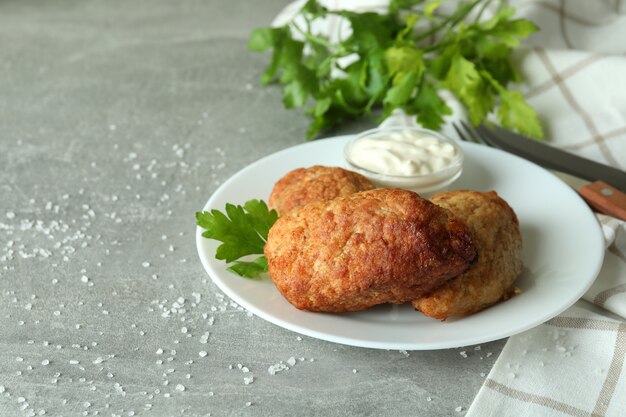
460, 134
471, 133
488, 137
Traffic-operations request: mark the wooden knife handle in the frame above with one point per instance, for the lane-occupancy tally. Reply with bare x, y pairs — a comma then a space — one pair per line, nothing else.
605, 199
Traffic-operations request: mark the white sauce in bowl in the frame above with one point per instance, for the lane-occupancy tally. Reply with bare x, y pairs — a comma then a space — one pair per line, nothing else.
406, 157
407, 153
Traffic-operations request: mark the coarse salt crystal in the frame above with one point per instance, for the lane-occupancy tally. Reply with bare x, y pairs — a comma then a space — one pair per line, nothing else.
279, 367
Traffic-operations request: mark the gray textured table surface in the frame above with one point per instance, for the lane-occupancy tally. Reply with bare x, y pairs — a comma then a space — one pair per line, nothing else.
118, 120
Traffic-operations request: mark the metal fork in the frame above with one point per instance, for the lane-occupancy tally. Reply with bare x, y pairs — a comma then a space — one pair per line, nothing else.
481, 136
470, 134
599, 195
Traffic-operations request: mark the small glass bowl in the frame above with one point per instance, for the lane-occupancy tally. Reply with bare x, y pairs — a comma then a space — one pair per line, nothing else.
420, 183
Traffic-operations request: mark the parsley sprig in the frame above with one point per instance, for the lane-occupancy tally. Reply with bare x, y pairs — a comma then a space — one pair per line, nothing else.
402, 59
243, 231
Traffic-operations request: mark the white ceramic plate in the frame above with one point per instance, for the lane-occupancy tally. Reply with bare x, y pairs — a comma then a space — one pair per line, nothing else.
563, 253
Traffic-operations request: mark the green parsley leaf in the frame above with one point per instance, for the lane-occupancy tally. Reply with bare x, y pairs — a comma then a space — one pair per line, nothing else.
514, 112
431, 6
398, 95
396, 5
404, 59
251, 269
242, 230
295, 94
262, 39
430, 108
314, 9
464, 80
260, 216
369, 31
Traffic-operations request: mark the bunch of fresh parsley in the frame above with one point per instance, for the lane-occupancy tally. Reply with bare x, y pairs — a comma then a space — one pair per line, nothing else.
395, 65
243, 231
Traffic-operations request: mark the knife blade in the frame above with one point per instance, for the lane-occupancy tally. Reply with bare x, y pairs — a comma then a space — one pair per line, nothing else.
605, 194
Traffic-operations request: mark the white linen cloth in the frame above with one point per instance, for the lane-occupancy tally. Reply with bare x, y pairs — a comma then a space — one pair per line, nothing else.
574, 73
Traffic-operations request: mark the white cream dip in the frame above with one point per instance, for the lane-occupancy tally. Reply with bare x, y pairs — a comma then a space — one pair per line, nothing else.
403, 153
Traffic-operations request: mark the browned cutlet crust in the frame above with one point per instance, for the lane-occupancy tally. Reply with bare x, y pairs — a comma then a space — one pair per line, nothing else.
317, 183
496, 230
368, 248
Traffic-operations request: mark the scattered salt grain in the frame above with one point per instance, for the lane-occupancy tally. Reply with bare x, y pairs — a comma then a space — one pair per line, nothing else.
278, 367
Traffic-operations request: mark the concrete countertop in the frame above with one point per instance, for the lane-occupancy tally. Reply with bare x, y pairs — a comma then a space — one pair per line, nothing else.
118, 120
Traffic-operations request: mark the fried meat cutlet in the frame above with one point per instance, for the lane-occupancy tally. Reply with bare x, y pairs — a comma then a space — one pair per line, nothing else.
317, 183
496, 230
368, 248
